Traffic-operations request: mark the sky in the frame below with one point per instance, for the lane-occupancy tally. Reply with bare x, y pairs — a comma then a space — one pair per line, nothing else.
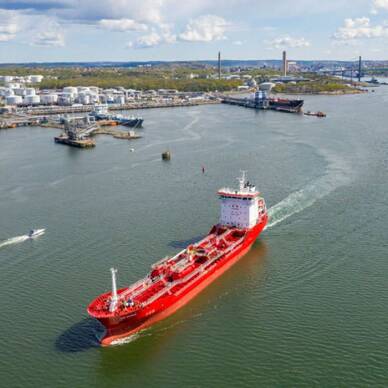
147, 30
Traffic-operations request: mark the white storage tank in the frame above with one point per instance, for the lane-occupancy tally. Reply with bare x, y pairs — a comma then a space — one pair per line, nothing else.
20, 91
120, 100
266, 86
84, 99
48, 99
30, 91
93, 89
109, 98
32, 100
36, 78
94, 99
66, 99
102, 98
6, 92
70, 89
13, 85
6, 78
13, 100
82, 89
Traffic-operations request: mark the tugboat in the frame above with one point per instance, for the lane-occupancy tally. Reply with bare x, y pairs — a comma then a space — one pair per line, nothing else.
173, 281
317, 114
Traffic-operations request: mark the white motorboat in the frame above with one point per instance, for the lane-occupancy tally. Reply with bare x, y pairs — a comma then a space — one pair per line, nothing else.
36, 233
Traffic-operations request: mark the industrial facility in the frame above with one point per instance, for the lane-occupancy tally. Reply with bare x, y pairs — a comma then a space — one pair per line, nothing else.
16, 94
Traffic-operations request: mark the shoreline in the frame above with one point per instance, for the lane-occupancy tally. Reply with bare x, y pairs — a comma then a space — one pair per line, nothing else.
323, 93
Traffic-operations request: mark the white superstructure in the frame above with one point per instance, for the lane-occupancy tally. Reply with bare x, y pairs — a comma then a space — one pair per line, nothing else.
241, 208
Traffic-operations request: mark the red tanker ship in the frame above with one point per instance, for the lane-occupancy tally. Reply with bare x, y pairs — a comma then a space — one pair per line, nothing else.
174, 281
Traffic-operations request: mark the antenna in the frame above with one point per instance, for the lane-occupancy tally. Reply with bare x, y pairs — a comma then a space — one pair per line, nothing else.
242, 180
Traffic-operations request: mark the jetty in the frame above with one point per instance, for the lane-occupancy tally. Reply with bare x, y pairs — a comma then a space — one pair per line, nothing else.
56, 109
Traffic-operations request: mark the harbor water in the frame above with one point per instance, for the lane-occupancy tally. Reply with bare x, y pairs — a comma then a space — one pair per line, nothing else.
307, 306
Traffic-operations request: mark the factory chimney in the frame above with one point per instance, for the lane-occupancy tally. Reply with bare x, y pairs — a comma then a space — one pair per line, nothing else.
219, 65
359, 68
284, 64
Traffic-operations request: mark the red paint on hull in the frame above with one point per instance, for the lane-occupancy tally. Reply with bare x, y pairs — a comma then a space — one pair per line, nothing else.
122, 324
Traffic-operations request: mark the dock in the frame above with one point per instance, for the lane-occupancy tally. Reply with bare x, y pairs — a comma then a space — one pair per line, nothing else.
56, 109
116, 133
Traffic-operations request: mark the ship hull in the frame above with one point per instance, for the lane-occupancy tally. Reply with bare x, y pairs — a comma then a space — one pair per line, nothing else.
286, 105
133, 123
121, 327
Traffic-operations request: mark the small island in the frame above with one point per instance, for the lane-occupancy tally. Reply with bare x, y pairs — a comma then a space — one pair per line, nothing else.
327, 85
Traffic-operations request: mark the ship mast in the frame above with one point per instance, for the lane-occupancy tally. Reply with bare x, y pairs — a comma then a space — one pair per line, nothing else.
113, 303
242, 180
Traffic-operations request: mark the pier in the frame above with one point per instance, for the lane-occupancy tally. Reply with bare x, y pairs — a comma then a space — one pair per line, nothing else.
56, 109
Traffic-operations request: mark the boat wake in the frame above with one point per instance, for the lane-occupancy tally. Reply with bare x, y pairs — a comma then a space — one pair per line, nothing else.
338, 174
20, 239
126, 340
14, 240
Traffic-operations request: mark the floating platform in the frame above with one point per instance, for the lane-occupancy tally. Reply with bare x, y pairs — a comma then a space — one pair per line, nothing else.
82, 143
117, 134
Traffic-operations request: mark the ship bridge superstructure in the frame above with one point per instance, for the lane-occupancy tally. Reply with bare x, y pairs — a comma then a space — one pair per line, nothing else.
242, 207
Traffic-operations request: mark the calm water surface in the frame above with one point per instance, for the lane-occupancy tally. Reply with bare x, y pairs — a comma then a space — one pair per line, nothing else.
306, 307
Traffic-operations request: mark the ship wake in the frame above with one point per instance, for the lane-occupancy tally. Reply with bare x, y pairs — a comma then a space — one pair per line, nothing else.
338, 174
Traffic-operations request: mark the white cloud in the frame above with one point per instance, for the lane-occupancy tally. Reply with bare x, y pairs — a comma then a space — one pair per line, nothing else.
205, 28
288, 42
122, 25
166, 31
9, 25
237, 42
143, 11
49, 39
379, 4
146, 41
360, 28
156, 37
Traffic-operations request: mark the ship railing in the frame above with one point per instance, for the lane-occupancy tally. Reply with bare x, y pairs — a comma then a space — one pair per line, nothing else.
167, 258
205, 267
161, 261
202, 268
157, 296
142, 282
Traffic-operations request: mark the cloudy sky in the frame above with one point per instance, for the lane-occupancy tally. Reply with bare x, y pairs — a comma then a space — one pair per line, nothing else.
130, 30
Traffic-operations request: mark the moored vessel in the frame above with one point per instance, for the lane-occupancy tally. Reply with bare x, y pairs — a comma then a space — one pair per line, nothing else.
174, 281
100, 112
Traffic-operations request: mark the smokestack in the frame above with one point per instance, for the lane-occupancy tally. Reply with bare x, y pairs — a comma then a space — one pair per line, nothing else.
359, 68
219, 65
284, 64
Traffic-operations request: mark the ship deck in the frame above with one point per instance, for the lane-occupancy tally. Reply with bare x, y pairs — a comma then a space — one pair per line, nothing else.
173, 275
